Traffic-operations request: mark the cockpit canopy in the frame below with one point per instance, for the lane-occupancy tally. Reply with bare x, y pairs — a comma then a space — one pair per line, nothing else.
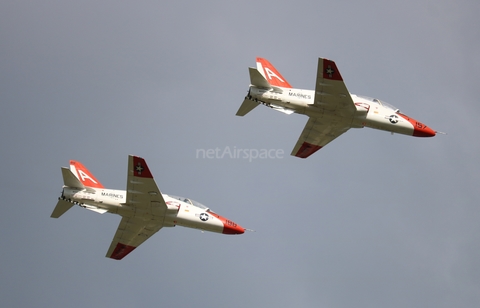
381, 103
190, 201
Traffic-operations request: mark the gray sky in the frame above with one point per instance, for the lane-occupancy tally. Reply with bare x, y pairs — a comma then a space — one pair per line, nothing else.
371, 220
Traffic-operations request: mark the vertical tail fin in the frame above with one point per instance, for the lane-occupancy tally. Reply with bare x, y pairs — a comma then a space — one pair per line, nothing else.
85, 176
271, 74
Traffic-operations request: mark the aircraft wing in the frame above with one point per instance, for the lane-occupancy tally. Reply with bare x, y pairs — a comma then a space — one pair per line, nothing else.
131, 232
316, 135
145, 197
332, 101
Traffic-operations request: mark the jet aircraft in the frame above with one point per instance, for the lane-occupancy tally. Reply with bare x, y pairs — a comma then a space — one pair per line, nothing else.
144, 209
331, 109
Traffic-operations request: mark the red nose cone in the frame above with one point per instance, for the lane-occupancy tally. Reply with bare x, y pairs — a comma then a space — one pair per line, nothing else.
424, 131
232, 229
419, 129
229, 227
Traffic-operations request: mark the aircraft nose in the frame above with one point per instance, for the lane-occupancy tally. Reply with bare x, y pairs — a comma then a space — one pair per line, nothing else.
422, 130
419, 129
229, 227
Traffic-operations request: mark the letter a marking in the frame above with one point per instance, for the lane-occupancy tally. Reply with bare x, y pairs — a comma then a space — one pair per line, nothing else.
84, 176
270, 74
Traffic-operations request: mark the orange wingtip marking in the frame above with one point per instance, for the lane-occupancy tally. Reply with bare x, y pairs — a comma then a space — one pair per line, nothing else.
140, 168
272, 75
330, 70
121, 250
307, 149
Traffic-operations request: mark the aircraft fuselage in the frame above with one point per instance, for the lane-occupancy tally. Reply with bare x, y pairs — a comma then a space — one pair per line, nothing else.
183, 213
369, 112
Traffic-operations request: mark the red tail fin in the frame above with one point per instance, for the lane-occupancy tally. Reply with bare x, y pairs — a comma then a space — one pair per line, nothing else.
271, 74
85, 176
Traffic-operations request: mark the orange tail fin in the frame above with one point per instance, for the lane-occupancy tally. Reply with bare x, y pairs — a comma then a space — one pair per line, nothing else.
271, 74
85, 176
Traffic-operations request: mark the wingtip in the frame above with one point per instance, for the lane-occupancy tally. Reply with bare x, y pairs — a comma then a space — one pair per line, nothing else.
330, 70
306, 150
120, 251
140, 167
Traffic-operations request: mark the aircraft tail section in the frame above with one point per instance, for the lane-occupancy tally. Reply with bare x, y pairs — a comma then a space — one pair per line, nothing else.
257, 79
70, 180
76, 177
271, 74
83, 175
267, 77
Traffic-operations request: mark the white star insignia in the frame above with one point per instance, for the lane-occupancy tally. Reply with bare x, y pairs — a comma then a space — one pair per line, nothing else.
329, 71
393, 119
139, 168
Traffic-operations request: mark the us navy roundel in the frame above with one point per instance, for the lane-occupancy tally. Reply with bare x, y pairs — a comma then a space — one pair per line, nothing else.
393, 119
204, 217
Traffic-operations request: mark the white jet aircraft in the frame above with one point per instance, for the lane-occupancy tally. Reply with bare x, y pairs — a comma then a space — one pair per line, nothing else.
331, 109
144, 209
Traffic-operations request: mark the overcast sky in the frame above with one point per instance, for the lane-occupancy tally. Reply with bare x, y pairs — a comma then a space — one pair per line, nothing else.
371, 220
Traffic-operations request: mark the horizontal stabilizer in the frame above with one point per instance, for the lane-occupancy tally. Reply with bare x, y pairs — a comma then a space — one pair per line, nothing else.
246, 107
70, 180
257, 79
61, 208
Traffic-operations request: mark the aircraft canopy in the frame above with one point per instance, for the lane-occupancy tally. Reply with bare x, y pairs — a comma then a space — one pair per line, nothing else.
190, 201
381, 103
